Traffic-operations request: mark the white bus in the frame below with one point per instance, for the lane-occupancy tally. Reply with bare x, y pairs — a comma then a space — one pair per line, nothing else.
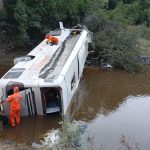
49, 75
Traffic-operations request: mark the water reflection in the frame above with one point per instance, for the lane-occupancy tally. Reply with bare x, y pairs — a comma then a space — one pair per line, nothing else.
111, 103
102, 92
130, 119
32, 129
115, 103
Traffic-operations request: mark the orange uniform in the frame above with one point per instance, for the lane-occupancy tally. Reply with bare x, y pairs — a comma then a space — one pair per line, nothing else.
51, 39
14, 100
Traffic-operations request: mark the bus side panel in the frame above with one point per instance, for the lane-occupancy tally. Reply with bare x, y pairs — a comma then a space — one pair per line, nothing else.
3, 96
64, 97
6, 107
31, 104
83, 52
24, 108
75, 70
38, 101
72, 79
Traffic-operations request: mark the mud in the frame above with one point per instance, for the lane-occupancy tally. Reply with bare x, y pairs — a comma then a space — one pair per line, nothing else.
8, 145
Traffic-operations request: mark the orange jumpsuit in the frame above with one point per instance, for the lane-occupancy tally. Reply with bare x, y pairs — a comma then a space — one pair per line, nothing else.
14, 100
51, 39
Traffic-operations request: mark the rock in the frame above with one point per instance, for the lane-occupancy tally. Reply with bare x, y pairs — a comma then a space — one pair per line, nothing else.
37, 146
106, 66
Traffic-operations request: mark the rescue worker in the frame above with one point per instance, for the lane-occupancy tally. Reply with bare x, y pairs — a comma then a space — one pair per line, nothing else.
51, 39
14, 100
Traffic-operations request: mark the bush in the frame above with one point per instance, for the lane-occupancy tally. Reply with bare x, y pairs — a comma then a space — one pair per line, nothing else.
93, 22
145, 33
118, 46
126, 14
133, 66
141, 30
68, 137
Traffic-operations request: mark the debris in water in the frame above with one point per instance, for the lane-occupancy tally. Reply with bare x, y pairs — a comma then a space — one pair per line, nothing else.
50, 139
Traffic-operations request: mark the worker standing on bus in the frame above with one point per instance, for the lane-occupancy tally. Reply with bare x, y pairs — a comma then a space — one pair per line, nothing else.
15, 107
51, 39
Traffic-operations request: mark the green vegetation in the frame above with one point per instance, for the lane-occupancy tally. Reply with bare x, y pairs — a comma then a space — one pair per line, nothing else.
121, 27
118, 46
69, 138
27, 21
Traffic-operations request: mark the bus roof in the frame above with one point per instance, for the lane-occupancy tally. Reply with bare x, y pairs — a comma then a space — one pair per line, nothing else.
46, 60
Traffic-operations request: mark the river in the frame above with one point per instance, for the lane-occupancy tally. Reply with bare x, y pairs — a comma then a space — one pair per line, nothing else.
112, 104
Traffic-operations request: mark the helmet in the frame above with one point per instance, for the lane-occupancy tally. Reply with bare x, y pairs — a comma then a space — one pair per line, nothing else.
16, 89
48, 36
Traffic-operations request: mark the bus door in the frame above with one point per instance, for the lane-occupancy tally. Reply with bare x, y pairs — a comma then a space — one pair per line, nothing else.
29, 101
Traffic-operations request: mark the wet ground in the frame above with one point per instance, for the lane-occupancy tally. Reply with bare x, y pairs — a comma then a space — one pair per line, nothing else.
110, 103
9, 145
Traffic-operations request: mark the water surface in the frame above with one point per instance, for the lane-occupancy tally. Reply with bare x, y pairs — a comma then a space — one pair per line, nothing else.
110, 103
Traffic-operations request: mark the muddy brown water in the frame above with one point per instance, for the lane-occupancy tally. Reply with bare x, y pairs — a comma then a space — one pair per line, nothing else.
114, 104
109, 103
32, 129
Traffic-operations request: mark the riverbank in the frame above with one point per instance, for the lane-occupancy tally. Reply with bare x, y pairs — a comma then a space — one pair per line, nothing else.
9, 145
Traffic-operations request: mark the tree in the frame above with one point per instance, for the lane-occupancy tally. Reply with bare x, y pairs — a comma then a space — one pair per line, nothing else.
31, 19
126, 14
112, 4
128, 1
95, 14
21, 18
144, 12
117, 46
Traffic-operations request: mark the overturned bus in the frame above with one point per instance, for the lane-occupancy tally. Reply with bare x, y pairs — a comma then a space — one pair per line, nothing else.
49, 75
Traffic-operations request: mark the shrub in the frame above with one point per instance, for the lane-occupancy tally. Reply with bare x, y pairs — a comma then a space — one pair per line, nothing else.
118, 46
68, 137
93, 22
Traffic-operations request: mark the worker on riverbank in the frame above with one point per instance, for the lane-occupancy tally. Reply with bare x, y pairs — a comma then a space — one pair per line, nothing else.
51, 39
15, 107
